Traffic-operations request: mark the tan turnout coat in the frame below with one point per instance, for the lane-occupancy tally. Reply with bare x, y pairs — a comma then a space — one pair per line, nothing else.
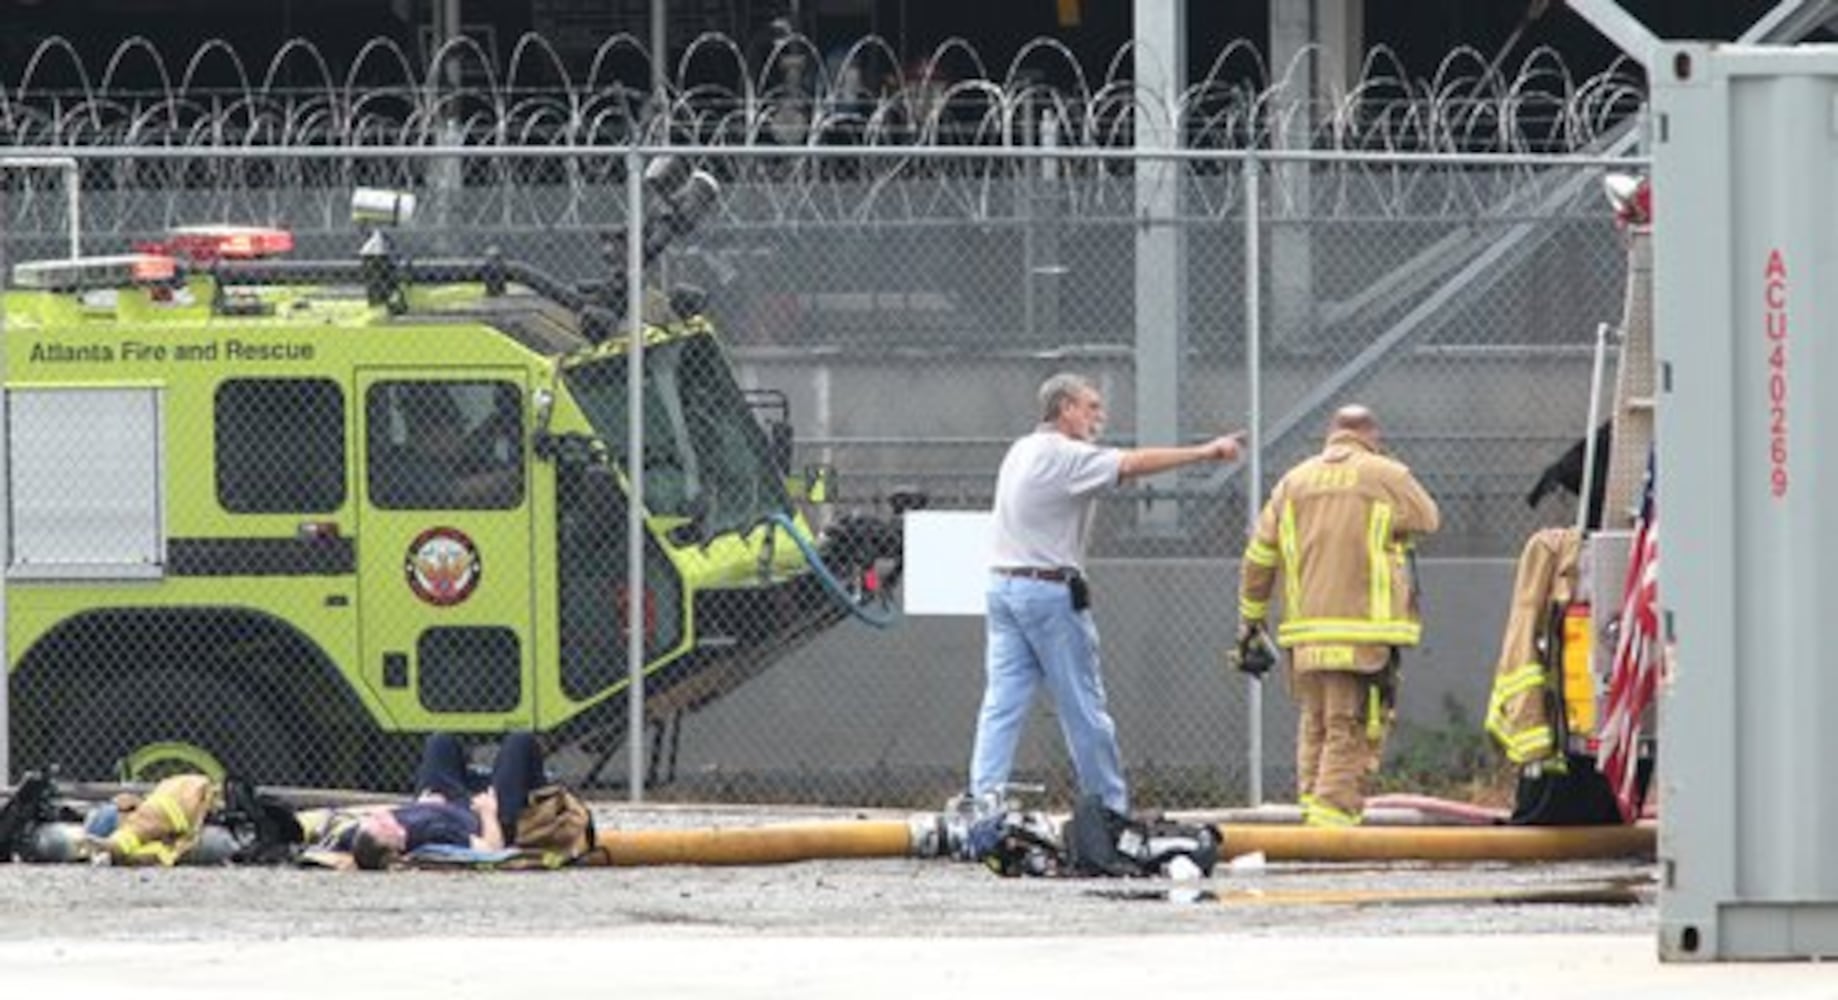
1336, 532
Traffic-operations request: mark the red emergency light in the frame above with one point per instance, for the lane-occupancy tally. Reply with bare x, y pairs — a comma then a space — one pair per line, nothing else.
153, 268
208, 243
1632, 198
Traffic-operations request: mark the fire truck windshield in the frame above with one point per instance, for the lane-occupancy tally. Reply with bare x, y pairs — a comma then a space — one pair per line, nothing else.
706, 457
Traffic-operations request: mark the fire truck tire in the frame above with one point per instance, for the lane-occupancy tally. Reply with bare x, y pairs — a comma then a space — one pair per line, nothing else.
166, 719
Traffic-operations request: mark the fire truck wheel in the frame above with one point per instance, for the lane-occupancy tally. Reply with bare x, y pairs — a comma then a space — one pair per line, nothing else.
166, 721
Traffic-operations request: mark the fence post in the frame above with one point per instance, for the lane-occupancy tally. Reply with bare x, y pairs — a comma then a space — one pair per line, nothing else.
1254, 483
635, 474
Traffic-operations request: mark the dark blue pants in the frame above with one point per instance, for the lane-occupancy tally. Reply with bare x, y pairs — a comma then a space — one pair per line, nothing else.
517, 771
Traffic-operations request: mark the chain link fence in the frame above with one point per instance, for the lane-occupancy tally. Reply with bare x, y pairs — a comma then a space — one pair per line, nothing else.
285, 516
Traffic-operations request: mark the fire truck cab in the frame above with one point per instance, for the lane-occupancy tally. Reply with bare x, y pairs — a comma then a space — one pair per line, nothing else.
282, 517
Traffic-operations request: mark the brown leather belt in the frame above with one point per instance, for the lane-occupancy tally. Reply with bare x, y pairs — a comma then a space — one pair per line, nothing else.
1058, 574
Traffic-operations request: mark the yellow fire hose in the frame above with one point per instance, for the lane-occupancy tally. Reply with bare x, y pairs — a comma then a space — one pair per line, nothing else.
1439, 843
781, 843
758, 845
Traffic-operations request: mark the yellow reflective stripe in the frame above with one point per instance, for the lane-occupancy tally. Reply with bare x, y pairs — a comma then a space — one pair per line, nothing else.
1260, 553
1496, 729
1533, 672
1349, 630
1533, 744
1375, 722
1374, 553
1319, 813
1378, 565
1292, 564
129, 845
1535, 738
1517, 681
1334, 657
1351, 623
1505, 692
175, 815
1506, 687
1253, 611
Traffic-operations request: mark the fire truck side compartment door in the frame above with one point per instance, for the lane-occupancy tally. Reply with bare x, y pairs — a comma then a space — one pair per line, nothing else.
87, 482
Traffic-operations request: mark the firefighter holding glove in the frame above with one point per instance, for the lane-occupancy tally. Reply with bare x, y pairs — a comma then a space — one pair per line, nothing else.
1336, 533
1254, 653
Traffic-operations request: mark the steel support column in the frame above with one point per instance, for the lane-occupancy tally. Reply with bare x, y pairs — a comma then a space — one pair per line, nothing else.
1161, 258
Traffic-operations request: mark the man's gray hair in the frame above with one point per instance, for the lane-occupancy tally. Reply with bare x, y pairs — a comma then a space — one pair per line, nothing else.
1059, 390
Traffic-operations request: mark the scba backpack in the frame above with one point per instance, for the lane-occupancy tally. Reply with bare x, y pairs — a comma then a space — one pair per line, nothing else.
1095, 842
266, 829
34, 804
1102, 842
556, 823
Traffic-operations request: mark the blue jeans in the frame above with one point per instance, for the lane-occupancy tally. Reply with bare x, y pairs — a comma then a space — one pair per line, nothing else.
1034, 635
517, 771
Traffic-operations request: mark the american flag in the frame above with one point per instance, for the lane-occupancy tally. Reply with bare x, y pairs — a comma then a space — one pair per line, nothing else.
1634, 676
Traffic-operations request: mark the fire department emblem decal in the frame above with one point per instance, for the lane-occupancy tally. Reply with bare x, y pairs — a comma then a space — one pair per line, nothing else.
443, 566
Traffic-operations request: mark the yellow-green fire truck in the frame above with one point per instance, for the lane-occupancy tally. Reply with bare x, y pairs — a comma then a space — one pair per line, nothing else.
283, 517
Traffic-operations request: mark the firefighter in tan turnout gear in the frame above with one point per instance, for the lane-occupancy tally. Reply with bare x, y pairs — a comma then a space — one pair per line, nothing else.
1337, 532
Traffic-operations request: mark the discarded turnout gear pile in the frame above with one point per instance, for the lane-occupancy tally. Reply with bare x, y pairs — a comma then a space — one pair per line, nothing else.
166, 824
1094, 841
192, 819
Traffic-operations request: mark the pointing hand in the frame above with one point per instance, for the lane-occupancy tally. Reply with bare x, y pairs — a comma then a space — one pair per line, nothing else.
1226, 448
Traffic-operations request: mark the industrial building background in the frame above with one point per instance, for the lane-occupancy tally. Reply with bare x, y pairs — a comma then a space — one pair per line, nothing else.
1426, 236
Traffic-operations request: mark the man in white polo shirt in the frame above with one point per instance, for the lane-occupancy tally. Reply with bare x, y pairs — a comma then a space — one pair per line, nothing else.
1039, 625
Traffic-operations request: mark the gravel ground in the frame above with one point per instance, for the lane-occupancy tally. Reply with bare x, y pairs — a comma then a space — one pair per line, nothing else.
842, 898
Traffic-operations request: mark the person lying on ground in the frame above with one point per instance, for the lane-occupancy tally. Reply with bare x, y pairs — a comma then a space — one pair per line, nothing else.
446, 810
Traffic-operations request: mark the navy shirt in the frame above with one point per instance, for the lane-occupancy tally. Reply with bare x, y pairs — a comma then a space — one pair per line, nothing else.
437, 822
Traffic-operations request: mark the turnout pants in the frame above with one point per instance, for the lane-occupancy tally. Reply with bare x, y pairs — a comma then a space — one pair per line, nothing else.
1340, 740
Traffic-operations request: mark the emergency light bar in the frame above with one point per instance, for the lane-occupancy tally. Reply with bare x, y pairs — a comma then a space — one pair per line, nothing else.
95, 272
207, 243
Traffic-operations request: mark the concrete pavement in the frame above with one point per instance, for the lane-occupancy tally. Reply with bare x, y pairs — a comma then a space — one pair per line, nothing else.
692, 964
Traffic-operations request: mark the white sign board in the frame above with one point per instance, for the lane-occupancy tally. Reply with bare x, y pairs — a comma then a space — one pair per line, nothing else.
947, 561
